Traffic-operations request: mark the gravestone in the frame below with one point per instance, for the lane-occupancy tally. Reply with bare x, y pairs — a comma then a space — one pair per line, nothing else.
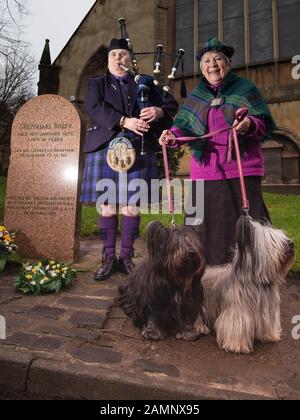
42, 197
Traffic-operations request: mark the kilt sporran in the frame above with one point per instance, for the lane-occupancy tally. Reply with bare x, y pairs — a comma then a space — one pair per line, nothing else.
121, 155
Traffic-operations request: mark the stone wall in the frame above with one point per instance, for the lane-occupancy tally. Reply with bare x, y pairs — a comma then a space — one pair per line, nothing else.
282, 93
153, 22
100, 25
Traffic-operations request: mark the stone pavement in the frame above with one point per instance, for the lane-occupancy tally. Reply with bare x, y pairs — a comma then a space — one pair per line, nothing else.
80, 345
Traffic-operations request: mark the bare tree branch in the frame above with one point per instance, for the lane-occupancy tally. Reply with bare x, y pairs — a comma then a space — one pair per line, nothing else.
16, 87
11, 11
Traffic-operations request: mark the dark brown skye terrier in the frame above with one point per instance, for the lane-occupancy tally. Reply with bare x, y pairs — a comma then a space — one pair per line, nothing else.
163, 296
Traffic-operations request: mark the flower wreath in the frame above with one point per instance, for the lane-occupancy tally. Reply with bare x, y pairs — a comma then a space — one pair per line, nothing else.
44, 277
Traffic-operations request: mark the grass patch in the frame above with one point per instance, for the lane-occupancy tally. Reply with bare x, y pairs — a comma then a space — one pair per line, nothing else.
284, 210
285, 214
90, 216
89, 221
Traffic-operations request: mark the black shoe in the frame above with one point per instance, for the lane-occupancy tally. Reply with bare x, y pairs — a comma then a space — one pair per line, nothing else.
110, 266
125, 265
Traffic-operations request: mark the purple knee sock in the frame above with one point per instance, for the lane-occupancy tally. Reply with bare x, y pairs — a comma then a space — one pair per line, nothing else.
108, 234
130, 231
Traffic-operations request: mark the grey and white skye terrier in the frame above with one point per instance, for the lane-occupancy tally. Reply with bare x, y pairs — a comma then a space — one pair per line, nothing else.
242, 299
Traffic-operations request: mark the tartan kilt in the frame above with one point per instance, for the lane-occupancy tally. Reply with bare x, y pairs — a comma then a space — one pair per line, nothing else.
97, 169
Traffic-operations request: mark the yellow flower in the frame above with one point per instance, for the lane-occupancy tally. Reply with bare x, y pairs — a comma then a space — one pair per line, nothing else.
34, 271
57, 271
29, 277
52, 262
53, 267
7, 238
40, 264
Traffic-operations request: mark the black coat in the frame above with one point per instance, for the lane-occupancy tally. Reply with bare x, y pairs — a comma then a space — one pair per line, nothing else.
105, 106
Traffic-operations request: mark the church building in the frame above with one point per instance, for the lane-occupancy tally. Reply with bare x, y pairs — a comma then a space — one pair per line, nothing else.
265, 35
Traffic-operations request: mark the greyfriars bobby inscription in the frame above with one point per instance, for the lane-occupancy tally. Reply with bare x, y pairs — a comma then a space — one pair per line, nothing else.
43, 180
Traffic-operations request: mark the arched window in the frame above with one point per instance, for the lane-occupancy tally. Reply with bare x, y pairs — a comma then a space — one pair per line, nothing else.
185, 31
282, 158
234, 28
208, 20
95, 66
260, 31
288, 27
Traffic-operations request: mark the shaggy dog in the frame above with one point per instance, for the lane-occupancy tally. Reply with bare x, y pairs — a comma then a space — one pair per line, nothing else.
163, 296
242, 299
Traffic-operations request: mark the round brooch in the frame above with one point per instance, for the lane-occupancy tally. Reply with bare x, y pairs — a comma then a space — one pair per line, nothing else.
217, 102
121, 155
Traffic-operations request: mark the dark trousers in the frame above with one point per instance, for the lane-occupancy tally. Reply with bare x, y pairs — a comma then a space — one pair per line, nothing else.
222, 209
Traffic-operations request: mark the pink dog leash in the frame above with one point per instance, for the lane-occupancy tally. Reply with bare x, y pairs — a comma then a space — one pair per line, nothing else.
240, 116
206, 136
168, 179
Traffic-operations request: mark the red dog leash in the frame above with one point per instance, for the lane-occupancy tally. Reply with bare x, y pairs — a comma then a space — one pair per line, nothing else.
240, 116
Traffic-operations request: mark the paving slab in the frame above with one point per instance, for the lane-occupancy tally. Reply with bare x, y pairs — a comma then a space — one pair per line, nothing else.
80, 345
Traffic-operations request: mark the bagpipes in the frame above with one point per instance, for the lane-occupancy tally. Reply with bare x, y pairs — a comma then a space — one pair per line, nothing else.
148, 87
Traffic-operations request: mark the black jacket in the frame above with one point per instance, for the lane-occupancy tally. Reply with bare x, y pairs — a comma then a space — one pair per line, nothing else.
105, 106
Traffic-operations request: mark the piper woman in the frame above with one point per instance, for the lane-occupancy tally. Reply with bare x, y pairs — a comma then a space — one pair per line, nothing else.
113, 107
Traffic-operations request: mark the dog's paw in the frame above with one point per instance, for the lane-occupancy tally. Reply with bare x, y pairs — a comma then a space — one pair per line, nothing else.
201, 327
274, 337
237, 348
151, 332
152, 335
188, 335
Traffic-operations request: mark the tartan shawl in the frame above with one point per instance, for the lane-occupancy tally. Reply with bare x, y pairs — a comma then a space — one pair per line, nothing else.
237, 92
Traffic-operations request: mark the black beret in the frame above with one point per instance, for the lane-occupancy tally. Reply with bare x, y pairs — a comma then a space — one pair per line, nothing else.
118, 44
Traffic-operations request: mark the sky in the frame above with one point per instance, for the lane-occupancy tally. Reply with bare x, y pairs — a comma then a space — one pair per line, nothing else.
56, 20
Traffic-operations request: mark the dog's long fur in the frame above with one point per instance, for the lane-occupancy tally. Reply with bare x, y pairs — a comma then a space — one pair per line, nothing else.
163, 295
242, 299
